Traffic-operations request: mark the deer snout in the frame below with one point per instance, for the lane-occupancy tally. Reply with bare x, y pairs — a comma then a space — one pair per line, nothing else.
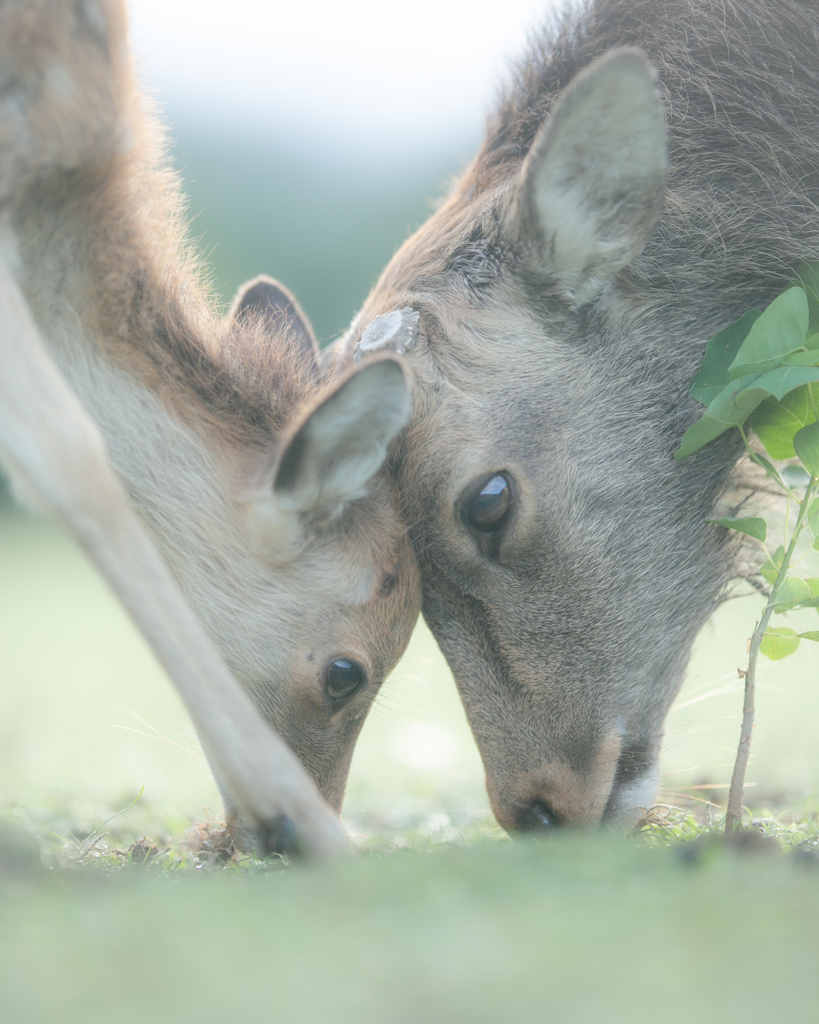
558, 793
535, 817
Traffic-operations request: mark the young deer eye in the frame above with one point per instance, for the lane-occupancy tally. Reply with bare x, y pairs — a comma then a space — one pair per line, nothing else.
487, 510
344, 677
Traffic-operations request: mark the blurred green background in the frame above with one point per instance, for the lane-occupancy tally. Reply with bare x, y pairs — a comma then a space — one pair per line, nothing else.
324, 223
86, 716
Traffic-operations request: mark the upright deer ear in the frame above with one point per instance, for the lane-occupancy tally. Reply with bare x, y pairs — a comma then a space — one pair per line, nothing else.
342, 442
592, 186
277, 310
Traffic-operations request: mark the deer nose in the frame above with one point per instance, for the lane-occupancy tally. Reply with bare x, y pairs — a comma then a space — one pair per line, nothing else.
535, 817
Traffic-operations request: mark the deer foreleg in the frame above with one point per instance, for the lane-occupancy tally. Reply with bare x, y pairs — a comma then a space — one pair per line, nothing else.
54, 450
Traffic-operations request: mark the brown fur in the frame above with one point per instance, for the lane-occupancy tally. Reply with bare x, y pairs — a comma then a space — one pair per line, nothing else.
198, 415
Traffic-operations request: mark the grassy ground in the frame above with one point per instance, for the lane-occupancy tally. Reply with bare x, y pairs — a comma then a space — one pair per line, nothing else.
582, 929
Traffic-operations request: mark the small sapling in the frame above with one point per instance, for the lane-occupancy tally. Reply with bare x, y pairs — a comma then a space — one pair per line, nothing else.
761, 374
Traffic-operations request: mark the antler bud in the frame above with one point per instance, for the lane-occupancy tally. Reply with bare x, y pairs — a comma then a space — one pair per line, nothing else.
396, 331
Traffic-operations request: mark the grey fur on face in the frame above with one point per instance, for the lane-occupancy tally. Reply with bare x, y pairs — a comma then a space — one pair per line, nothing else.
566, 291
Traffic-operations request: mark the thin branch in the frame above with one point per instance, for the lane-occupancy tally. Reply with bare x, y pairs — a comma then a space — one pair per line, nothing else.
734, 813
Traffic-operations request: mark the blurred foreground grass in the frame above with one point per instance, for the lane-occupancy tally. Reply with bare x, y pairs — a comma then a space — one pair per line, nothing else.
576, 929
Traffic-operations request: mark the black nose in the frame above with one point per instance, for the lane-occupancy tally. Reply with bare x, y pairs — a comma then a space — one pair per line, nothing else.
535, 817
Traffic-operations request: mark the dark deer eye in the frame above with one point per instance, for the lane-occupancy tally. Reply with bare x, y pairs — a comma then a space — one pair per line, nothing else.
343, 677
488, 509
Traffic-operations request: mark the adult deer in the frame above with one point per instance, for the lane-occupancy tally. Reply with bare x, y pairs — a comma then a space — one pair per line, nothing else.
227, 497
554, 311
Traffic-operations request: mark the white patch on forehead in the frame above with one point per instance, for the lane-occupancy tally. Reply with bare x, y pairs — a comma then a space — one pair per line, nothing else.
395, 331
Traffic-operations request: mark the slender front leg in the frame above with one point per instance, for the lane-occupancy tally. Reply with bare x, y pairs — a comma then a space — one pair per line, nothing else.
54, 451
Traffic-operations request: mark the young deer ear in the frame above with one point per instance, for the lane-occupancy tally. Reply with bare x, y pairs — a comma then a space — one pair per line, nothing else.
592, 186
277, 310
342, 443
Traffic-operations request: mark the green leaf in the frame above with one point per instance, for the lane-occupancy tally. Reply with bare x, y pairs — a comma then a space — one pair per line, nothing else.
735, 403
793, 592
698, 435
809, 358
731, 407
812, 517
806, 446
797, 592
778, 642
812, 634
713, 375
775, 422
793, 476
770, 570
769, 467
778, 332
756, 528
784, 379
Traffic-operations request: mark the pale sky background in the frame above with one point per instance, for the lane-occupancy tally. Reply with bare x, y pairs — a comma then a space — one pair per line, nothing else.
360, 75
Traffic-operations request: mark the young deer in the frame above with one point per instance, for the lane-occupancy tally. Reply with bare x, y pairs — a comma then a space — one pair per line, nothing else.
227, 497
554, 312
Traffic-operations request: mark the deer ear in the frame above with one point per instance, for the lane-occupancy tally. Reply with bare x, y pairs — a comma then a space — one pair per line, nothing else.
276, 309
591, 189
342, 443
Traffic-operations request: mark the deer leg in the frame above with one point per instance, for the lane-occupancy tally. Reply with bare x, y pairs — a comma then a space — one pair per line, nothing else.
52, 446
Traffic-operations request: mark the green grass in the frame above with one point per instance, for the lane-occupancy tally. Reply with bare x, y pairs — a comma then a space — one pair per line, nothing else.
450, 924
577, 928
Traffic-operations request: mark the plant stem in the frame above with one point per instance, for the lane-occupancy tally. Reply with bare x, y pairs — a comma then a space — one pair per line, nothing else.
735, 794
787, 519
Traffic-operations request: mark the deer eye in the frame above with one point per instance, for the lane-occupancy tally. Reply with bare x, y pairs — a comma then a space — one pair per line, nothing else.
344, 677
487, 510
